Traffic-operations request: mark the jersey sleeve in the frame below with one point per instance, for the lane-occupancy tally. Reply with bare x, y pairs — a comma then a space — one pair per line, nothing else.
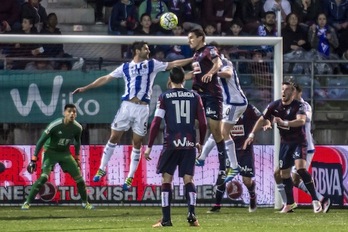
118, 72
77, 143
43, 138
159, 66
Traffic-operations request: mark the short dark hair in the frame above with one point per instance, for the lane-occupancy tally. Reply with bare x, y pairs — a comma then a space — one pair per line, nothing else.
289, 83
298, 87
138, 45
198, 32
269, 12
177, 75
69, 105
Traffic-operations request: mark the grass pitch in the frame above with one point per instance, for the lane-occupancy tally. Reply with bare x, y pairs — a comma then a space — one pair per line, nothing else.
71, 218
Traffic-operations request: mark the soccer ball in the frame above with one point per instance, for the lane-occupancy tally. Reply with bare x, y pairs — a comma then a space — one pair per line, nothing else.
234, 189
168, 21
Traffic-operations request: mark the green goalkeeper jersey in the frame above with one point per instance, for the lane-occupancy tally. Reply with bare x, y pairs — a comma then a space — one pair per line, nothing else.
58, 137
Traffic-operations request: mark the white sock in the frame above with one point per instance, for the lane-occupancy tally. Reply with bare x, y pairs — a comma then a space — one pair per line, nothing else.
302, 186
208, 146
282, 193
231, 153
135, 159
107, 153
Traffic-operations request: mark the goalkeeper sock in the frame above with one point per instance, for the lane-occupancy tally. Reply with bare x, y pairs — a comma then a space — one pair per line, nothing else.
81, 188
135, 159
107, 153
208, 146
190, 193
166, 197
36, 187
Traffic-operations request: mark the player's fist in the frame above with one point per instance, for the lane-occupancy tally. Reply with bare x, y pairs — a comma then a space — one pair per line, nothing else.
32, 167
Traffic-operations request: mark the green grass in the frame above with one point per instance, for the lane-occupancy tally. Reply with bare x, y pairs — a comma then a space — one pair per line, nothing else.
69, 218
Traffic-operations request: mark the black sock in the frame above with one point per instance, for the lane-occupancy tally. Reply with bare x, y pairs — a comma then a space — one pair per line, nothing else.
307, 180
251, 189
222, 154
190, 193
288, 191
166, 196
219, 194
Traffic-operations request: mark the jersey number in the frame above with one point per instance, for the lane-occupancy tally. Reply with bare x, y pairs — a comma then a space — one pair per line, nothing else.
182, 110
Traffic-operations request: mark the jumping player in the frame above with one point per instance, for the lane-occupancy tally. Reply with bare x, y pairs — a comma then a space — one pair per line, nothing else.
206, 63
139, 75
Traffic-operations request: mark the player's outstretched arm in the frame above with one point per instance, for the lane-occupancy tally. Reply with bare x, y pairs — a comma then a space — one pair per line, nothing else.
95, 84
258, 125
179, 63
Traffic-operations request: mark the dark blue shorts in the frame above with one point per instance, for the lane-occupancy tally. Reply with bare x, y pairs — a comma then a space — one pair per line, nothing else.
246, 162
212, 106
170, 159
289, 152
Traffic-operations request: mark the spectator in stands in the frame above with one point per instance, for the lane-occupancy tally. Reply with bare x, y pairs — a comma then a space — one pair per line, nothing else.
33, 9
98, 10
251, 14
155, 8
24, 50
177, 52
278, 5
210, 29
124, 18
217, 12
294, 37
337, 13
50, 28
145, 28
187, 12
343, 50
42, 63
323, 38
307, 10
159, 54
9, 16
235, 51
268, 28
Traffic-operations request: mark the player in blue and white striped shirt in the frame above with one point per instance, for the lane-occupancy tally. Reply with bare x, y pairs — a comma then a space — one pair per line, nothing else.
138, 75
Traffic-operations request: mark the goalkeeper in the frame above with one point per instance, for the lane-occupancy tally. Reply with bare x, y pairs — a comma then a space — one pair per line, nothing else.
56, 140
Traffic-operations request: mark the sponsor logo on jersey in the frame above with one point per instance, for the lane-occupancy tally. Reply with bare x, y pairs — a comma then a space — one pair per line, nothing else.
183, 143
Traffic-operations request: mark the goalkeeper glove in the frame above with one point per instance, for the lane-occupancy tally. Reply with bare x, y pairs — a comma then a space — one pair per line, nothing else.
31, 168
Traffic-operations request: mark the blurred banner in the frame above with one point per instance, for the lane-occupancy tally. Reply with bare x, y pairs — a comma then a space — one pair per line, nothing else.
329, 172
40, 97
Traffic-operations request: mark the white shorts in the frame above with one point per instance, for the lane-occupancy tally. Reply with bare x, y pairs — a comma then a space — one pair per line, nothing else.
131, 115
232, 113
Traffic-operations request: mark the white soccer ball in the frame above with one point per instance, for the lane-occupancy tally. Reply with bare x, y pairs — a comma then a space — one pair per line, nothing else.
168, 21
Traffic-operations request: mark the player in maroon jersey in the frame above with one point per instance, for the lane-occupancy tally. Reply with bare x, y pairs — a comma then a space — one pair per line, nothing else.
179, 108
206, 63
290, 117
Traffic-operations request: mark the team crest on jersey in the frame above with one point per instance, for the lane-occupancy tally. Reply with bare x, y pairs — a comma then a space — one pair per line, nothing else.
288, 111
144, 66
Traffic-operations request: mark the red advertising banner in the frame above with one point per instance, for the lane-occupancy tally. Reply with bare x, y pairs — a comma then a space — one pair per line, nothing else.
329, 171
